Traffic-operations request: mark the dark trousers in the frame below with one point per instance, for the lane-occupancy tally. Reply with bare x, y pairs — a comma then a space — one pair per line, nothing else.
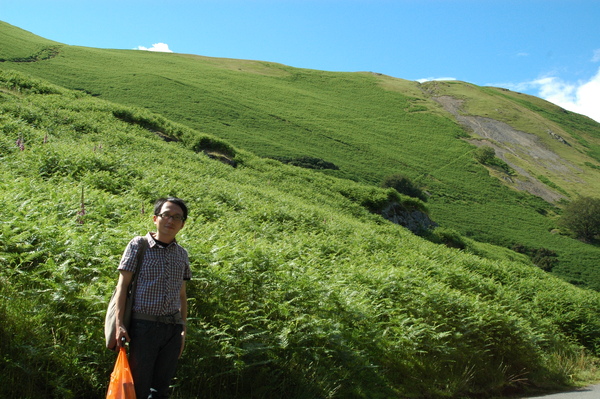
153, 353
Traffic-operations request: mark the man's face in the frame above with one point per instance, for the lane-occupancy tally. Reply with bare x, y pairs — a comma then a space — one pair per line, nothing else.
169, 222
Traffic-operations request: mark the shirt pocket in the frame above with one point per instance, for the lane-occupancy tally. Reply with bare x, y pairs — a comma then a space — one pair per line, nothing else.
151, 269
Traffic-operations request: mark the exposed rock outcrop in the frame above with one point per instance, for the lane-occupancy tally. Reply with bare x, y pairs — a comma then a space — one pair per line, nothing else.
414, 220
511, 144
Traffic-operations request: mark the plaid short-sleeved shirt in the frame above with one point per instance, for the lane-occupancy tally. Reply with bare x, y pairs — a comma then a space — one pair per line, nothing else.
160, 277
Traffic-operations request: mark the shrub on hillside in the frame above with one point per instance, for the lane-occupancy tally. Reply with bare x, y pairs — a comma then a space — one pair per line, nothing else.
543, 258
582, 217
487, 156
404, 185
484, 155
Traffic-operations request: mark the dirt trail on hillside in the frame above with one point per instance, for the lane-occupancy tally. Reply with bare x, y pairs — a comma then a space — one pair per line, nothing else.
512, 144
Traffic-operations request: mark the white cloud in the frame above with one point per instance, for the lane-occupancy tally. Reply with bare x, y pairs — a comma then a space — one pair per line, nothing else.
431, 79
596, 56
582, 97
160, 47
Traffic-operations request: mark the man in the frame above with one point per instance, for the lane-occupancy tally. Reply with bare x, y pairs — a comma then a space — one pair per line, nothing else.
156, 335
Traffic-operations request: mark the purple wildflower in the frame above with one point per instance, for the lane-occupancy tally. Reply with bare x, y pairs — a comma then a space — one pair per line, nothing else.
21, 143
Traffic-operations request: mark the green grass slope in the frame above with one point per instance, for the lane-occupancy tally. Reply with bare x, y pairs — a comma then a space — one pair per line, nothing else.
368, 125
298, 290
22, 46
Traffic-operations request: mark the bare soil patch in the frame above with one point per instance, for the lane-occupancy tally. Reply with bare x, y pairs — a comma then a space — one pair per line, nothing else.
511, 144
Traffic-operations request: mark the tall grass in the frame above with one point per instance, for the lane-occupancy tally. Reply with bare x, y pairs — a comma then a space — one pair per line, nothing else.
298, 290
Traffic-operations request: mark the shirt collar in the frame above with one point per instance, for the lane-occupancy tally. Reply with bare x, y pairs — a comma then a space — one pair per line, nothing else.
152, 242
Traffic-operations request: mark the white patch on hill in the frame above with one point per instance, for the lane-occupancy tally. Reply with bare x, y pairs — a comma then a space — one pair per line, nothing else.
434, 79
159, 47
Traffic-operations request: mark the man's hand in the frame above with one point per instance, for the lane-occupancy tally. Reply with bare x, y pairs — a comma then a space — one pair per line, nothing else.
122, 333
182, 341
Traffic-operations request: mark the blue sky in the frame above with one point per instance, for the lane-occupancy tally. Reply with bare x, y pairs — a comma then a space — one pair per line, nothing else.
548, 48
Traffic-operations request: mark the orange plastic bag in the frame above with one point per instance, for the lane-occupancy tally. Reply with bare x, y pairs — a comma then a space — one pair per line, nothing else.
121, 381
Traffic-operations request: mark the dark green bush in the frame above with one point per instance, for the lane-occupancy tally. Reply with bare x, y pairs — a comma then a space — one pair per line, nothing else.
582, 217
404, 185
543, 258
484, 155
487, 156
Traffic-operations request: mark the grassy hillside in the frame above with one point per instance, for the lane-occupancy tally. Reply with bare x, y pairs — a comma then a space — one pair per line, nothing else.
369, 126
298, 289
22, 46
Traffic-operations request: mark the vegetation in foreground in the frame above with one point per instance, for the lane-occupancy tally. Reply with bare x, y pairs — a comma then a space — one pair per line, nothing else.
298, 290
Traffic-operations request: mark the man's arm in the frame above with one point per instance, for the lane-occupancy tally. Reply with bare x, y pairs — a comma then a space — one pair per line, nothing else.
122, 285
183, 310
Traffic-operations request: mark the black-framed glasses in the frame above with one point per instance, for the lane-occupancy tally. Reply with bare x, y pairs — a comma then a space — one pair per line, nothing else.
177, 218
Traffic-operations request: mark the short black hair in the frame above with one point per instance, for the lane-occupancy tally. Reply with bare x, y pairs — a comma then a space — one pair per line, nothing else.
177, 201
